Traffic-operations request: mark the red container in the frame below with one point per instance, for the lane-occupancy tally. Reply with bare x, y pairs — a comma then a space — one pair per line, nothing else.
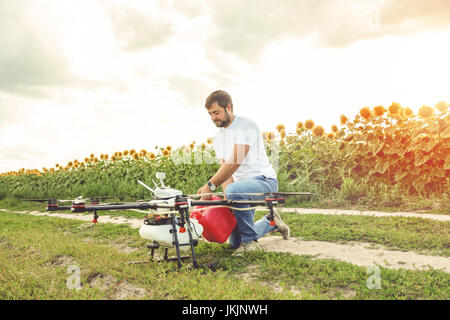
217, 223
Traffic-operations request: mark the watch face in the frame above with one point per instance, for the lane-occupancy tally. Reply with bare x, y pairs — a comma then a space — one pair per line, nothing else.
211, 186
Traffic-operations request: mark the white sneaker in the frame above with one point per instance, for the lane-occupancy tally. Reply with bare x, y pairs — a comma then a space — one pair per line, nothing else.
281, 226
246, 247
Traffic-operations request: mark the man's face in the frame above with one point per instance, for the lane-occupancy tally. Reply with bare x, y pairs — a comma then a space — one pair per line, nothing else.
219, 115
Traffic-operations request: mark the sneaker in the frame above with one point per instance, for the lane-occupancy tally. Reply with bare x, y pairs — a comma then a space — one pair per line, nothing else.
281, 226
247, 246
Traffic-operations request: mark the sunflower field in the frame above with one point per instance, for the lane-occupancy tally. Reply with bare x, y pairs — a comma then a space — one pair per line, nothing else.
382, 155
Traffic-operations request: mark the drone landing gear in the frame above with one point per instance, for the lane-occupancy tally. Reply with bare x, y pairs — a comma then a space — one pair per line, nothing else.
184, 219
154, 245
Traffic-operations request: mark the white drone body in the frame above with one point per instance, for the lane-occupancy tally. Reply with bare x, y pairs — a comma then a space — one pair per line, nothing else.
166, 194
161, 233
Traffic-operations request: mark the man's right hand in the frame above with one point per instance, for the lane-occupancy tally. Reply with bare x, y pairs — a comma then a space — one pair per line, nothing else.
205, 189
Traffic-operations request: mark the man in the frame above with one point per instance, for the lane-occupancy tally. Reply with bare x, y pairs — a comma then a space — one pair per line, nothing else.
245, 168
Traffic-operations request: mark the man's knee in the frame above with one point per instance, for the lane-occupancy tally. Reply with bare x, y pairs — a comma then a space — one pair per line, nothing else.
233, 193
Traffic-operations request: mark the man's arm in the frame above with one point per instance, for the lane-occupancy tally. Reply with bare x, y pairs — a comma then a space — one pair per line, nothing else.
228, 181
226, 170
229, 167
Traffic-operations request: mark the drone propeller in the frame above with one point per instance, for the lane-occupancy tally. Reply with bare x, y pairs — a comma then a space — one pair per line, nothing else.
79, 199
45, 200
198, 195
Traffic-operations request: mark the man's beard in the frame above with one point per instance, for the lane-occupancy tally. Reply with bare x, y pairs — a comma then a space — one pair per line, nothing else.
223, 123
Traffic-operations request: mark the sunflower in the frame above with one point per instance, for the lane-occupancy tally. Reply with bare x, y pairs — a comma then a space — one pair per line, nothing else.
365, 112
70, 164
394, 108
270, 136
343, 119
282, 133
334, 128
280, 127
105, 157
442, 106
132, 151
331, 135
135, 156
407, 112
299, 124
425, 112
165, 152
151, 155
318, 131
309, 124
209, 141
379, 111
125, 152
299, 130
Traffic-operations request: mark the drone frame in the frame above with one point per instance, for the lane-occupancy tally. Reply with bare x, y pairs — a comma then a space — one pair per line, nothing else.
181, 204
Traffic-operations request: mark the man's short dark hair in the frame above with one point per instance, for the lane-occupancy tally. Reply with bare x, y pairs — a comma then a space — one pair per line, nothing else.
222, 98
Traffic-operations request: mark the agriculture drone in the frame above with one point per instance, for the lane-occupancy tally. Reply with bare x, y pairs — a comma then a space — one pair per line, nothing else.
167, 222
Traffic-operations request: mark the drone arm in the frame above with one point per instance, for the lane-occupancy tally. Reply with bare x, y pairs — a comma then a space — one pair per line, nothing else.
119, 206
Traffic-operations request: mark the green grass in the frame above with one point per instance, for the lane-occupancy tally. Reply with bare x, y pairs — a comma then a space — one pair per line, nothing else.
37, 251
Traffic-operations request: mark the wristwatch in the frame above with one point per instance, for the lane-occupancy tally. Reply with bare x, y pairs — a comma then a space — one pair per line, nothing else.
212, 186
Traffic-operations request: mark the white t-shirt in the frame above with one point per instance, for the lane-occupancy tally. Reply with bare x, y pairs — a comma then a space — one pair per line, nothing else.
244, 131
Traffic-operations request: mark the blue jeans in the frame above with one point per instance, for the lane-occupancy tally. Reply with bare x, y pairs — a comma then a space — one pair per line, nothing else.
247, 229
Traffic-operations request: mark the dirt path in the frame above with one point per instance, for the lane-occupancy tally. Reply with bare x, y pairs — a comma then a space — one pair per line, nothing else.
439, 217
361, 254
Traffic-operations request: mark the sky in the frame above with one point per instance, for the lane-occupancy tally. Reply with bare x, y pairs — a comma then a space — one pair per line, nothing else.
100, 76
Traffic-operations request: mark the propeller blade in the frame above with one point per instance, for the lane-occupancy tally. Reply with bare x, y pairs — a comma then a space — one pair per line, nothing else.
37, 200
252, 194
79, 198
45, 200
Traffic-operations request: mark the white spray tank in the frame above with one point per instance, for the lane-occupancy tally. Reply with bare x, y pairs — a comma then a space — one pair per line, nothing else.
162, 235
159, 231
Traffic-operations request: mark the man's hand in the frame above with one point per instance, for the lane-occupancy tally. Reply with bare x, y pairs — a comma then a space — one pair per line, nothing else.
205, 189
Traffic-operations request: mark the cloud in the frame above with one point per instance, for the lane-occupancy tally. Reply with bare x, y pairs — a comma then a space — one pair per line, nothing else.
245, 28
194, 91
191, 9
29, 60
137, 29
399, 15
